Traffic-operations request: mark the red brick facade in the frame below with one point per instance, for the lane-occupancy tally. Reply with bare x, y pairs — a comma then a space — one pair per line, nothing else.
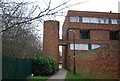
91, 60
99, 35
101, 63
50, 39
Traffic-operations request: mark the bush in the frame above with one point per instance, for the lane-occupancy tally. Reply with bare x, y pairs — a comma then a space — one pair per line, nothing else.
43, 65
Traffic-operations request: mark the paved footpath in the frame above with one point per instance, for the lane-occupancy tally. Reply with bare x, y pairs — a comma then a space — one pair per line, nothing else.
59, 76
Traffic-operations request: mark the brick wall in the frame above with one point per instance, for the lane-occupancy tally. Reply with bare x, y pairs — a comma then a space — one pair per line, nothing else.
99, 35
94, 26
65, 28
119, 53
77, 34
50, 39
92, 14
64, 55
101, 63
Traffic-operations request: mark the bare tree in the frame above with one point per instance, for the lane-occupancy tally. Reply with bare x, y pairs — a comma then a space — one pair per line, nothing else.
15, 13
20, 42
18, 19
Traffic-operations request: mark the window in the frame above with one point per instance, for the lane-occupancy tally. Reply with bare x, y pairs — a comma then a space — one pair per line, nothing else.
85, 34
114, 21
89, 46
94, 46
74, 19
103, 20
109, 20
94, 20
86, 19
113, 35
85, 46
106, 20
118, 21
80, 19
79, 46
90, 20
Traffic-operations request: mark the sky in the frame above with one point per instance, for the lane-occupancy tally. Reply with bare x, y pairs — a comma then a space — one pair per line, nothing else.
98, 5
95, 5
88, 5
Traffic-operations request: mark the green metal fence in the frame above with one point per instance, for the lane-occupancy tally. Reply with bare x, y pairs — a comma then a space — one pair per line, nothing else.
16, 68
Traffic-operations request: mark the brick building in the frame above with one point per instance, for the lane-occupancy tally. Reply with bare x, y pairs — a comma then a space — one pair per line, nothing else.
83, 32
92, 30
98, 31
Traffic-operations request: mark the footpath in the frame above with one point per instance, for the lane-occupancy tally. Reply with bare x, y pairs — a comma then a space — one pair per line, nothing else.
59, 76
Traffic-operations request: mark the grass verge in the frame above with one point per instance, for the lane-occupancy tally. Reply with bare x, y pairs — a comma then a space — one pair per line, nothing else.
38, 78
71, 77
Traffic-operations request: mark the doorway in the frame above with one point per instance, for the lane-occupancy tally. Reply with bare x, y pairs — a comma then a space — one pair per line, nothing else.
62, 56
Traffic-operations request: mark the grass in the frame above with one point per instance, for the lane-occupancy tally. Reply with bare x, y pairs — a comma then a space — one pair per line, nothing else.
60, 64
38, 78
71, 77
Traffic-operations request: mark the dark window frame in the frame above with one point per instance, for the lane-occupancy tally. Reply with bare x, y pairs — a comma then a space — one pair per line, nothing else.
84, 34
114, 35
109, 21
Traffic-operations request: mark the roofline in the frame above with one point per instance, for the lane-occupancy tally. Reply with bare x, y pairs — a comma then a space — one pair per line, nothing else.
93, 12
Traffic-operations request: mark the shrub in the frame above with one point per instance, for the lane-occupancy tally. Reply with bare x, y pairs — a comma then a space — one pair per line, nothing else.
43, 65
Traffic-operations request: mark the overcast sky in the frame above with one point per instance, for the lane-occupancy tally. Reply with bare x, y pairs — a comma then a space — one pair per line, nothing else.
98, 5
89, 5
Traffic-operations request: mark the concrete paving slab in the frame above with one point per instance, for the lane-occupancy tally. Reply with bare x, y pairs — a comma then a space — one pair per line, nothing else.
59, 76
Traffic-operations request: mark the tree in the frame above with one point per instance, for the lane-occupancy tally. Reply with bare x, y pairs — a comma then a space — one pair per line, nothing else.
17, 13
18, 23
19, 42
